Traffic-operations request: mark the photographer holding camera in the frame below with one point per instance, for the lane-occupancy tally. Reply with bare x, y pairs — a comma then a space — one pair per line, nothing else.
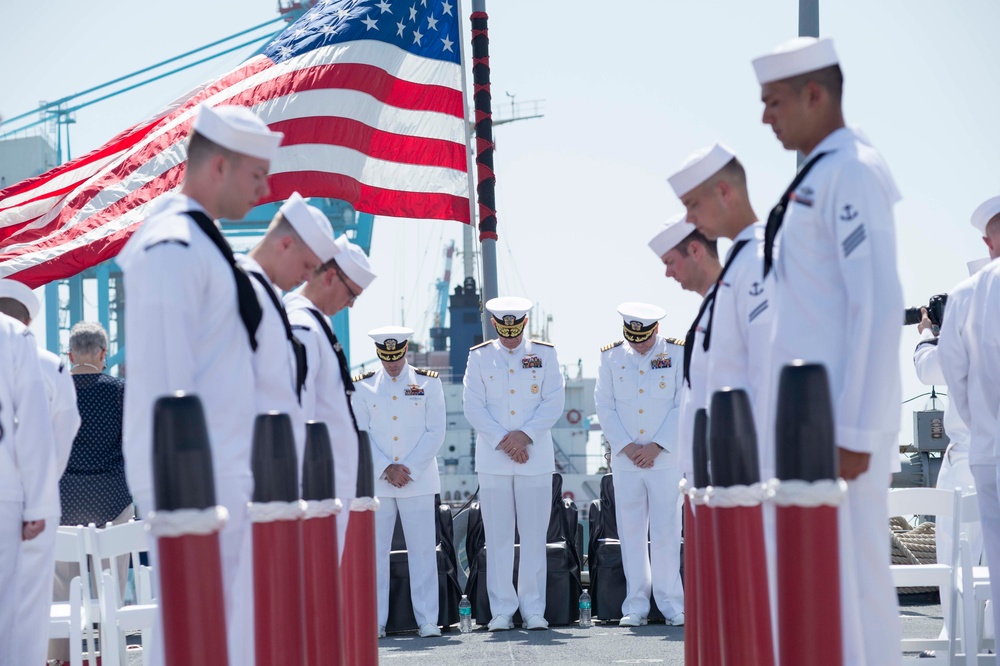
967, 358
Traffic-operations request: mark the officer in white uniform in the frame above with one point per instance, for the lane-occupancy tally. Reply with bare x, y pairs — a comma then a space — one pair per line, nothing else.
326, 396
403, 410
297, 242
837, 302
693, 261
29, 488
192, 321
513, 395
38, 554
965, 351
637, 396
712, 185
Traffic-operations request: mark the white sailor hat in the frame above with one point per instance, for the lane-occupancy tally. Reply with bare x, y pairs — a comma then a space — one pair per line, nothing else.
508, 314
21, 293
794, 57
640, 320
312, 225
238, 129
673, 232
986, 212
977, 265
354, 262
390, 341
699, 167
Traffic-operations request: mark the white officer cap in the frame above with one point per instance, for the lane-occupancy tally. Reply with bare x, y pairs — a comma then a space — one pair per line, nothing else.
390, 341
673, 232
354, 262
238, 129
986, 212
21, 293
640, 320
509, 306
312, 225
794, 57
977, 265
699, 167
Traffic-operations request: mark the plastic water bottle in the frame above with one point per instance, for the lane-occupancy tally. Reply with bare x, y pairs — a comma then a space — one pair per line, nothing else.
465, 615
585, 622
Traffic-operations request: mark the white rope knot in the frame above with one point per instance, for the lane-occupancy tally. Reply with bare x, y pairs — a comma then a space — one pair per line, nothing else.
365, 504
323, 508
270, 512
806, 494
185, 522
738, 496
700, 496
682, 487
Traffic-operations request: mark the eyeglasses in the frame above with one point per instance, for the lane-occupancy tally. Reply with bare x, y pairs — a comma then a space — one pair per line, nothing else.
354, 296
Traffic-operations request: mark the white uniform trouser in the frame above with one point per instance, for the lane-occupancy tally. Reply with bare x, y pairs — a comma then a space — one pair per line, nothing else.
988, 499
235, 544
648, 502
34, 591
869, 606
955, 473
417, 517
529, 498
11, 517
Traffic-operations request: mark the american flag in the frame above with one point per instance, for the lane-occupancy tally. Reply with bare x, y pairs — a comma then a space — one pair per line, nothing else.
368, 94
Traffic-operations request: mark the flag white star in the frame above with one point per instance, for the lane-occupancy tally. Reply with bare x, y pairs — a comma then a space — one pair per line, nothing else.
342, 13
370, 22
328, 29
402, 27
384, 6
432, 23
417, 37
447, 44
413, 13
423, 3
299, 32
285, 52
446, 8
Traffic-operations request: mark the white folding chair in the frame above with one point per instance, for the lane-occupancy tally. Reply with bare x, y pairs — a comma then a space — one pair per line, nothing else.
74, 618
973, 590
116, 618
933, 502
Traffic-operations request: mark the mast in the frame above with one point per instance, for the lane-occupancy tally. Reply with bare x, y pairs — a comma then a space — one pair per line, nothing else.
808, 27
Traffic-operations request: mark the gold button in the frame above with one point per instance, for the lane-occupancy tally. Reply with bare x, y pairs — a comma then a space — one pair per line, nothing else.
510, 352
512, 412
641, 432
394, 397
396, 458
640, 411
396, 417
393, 379
642, 372
640, 390
395, 439
512, 391
511, 372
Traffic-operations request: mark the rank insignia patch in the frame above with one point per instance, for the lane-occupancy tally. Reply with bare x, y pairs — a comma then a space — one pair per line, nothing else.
660, 361
804, 196
413, 389
531, 362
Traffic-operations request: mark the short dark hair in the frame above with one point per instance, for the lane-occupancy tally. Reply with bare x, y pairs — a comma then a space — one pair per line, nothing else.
712, 247
16, 309
829, 78
201, 148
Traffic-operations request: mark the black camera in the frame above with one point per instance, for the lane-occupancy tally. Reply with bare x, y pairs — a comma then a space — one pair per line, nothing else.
935, 311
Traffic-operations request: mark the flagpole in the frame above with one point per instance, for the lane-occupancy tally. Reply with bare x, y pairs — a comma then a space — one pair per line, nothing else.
467, 242
486, 189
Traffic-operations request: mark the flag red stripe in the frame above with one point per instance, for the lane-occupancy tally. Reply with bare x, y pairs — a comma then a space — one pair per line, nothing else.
76, 260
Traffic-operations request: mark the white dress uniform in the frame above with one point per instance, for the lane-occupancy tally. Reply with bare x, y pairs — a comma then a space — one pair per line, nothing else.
638, 399
838, 300
405, 419
324, 400
185, 334
967, 347
38, 554
693, 395
507, 390
28, 483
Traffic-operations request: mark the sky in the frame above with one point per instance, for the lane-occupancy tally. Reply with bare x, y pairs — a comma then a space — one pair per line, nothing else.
629, 90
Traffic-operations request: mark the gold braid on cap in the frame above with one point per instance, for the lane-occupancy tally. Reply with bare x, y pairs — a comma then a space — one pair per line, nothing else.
509, 326
391, 350
635, 332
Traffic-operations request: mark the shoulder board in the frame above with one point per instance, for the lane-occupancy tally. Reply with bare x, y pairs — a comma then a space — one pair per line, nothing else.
542, 342
481, 344
426, 373
675, 341
612, 346
363, 376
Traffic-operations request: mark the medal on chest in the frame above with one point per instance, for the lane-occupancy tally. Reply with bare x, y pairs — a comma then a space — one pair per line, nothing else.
660, 361
413, 389
531, 361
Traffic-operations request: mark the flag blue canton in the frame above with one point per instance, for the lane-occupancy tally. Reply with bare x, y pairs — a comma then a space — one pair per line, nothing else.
427, 28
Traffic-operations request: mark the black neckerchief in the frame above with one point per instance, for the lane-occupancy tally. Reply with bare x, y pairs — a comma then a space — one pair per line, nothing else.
250, 311
345, 371
299, 349
777, 216
707, 304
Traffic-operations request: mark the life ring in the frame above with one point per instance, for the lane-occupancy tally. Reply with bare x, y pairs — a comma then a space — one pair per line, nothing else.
574, 416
